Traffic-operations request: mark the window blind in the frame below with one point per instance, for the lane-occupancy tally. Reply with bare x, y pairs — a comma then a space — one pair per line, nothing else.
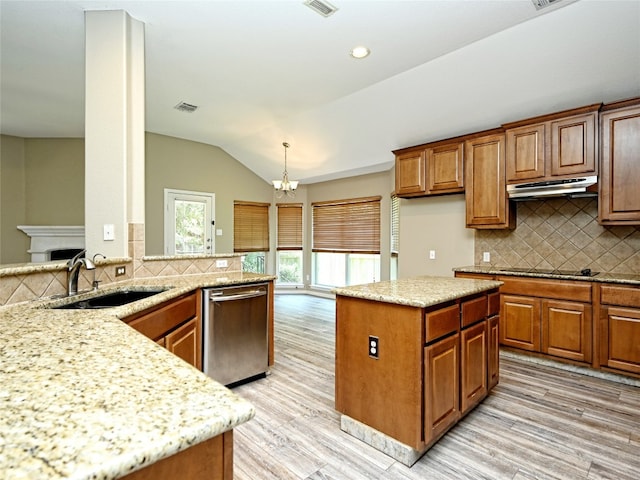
289, 226
395, 224
250, 227
347, 226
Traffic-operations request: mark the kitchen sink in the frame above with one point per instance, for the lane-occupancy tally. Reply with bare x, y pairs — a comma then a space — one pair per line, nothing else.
113, 299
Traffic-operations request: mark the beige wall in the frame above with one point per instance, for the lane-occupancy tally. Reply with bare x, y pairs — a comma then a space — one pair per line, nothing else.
13, 243
434, 223
185, 165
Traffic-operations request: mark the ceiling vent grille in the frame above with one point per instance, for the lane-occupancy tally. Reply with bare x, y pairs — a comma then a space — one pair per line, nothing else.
186, 107
323, 8
540, 4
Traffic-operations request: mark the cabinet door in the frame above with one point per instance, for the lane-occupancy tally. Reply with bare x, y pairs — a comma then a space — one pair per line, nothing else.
473, 366
486, 192
411, 174
520, 322
525, 152
622, 342
441, 387
567, 330
573, 145
185, 343
445, 168
493, 351
619, 201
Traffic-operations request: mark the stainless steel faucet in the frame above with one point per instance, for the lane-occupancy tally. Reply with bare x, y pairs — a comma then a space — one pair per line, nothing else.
73, 271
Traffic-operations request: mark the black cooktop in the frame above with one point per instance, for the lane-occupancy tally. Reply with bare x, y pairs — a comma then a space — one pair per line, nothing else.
585, 272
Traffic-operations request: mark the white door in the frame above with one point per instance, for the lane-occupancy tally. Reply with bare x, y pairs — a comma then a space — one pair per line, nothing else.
188, 222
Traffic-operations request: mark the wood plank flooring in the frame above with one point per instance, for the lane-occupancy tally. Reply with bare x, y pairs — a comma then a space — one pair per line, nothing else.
540, 422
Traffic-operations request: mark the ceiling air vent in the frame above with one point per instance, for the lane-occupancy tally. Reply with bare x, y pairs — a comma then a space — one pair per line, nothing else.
323, 8
540, 4
186, 107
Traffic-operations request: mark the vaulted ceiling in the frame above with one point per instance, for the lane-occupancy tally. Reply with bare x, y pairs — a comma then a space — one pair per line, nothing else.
262, 72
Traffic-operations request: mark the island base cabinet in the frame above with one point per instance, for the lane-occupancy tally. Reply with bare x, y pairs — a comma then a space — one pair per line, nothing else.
473, 368
209, 460
493, 351
441, 387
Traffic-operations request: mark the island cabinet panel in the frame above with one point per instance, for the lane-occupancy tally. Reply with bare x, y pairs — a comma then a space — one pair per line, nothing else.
384, 391
441, 387
620, 328
619, 202
209, 460
473, 372
493, 351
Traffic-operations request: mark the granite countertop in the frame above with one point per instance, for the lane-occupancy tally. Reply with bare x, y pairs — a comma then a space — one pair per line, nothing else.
620, 278
422, 291
85, 396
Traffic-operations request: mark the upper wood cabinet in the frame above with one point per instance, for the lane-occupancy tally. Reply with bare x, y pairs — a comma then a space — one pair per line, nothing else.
431, 169
411, 174
558, 145
487, 205
619, 200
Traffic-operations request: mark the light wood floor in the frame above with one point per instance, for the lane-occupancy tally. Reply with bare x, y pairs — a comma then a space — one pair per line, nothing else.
540, 422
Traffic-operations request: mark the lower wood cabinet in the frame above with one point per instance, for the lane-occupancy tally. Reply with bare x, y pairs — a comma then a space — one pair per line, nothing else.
520, 322
619, 330
176, 325
473, 371
567, 330
493, 351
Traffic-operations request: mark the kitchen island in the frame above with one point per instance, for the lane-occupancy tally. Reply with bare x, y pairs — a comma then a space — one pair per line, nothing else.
83, 395
413, 356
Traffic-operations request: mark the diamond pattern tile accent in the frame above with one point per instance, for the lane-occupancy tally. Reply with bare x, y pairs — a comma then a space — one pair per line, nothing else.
563, 234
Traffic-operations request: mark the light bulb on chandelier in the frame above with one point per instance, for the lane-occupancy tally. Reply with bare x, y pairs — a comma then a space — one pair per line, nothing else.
285, 186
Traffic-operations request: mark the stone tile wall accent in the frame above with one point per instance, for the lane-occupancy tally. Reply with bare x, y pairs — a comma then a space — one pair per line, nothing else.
561, 234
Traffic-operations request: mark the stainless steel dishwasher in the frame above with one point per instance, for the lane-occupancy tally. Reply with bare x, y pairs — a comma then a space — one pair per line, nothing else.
235, 332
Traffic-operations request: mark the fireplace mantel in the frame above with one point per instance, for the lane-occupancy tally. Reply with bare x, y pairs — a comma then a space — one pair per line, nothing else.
46, 238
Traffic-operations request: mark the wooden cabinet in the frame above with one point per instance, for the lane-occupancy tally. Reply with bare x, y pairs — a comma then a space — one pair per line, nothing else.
620, 328
548, 316
619, 200
430, 367
411, 173
554, 146
493, 351
176, 325
441, 387
431, 169
487, 206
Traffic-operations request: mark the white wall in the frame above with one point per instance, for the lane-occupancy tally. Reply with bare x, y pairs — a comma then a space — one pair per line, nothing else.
434, 223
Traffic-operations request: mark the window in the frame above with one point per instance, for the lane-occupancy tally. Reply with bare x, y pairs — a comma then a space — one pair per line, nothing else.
251, 234
289, 244
188, 222
346, 241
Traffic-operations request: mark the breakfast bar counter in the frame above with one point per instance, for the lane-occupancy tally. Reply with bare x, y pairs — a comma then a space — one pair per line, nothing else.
83, 395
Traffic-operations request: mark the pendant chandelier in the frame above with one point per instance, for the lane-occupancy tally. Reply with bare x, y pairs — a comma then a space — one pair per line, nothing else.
285, 186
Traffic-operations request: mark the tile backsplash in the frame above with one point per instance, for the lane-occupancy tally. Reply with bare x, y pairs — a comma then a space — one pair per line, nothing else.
562, 234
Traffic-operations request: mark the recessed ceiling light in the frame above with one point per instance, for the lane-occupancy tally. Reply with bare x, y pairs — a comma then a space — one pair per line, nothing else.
360, 52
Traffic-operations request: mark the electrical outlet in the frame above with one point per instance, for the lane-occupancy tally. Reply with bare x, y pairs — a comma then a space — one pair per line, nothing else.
486, 257
121, 271
221, 263
374, 347
432, 254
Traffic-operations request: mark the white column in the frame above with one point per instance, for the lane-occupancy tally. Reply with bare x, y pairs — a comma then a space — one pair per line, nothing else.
114, 129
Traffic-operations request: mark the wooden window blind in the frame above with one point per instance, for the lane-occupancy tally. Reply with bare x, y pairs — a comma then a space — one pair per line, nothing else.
395, 224
250, 227
289, 226
347, 226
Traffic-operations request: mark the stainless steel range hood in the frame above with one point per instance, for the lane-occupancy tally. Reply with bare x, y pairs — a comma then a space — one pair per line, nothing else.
568, 187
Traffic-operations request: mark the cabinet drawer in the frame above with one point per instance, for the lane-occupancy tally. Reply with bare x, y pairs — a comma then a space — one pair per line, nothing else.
157, 323
557, 289
617, 295
441, 322
473, 311
494, 303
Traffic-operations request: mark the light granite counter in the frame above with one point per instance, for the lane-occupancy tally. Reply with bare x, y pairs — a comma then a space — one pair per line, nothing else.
85, 396
422, 291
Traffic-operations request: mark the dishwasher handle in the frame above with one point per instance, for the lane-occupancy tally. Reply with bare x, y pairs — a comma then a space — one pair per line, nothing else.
220, 297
